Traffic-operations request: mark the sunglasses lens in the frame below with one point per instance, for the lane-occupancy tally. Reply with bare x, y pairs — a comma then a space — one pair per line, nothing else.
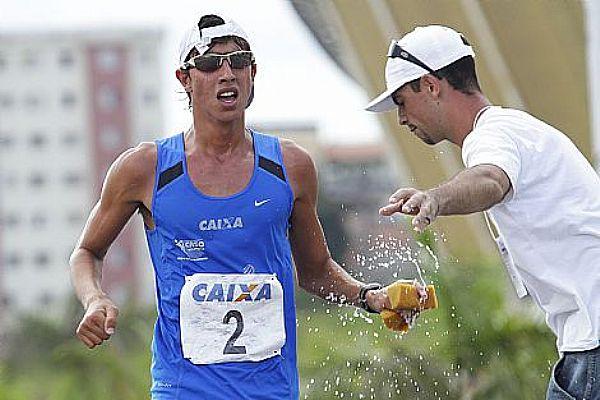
207, 63
212, 62
240, 60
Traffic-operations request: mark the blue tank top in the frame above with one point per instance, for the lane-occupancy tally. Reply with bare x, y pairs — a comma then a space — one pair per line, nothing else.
245, 233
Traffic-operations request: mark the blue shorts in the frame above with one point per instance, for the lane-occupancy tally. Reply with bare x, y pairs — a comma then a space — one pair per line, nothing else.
576, 376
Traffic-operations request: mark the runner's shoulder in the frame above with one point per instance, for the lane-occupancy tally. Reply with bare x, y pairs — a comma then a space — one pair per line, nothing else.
296, 158
135, 165
300, 168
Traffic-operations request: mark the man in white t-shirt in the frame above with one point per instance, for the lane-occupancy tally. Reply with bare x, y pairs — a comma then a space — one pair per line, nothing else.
529, 178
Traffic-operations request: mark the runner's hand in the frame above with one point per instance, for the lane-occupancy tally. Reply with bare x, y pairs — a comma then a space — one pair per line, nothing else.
405, 301
422, 204
398, 319
98, 323
378, 299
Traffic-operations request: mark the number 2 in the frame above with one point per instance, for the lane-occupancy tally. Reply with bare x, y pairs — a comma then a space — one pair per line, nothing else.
230, 348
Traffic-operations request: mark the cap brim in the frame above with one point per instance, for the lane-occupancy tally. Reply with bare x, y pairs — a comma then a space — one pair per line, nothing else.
383, 102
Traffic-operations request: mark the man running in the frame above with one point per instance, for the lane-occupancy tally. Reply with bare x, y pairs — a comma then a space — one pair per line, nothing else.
538, 189
224, 208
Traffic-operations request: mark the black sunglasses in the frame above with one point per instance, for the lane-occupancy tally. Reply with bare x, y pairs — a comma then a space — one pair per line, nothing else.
396, 51
212, 62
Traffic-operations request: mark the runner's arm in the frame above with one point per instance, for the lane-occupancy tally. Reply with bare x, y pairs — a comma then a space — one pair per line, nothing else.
122, 194
317, 272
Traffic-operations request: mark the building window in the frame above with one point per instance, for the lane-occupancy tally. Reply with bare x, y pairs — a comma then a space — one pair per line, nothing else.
6, 142
32, 101
71, 139
68, 99
65, 58
41, 260
37, 180
6, 100
5, 301
108, 98
39, 220
38, 140
75, 218
149, 97
8, 180
45, 299
9, 220
110, 138
72, 179
12, 260
107, 60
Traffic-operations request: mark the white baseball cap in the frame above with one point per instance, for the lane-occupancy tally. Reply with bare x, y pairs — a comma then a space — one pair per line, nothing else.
420, 52
201, 38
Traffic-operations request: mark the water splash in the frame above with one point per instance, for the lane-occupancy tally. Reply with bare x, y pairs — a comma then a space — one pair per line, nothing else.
363, 359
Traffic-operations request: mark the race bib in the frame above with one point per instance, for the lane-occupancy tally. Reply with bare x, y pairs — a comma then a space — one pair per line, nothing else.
231, 317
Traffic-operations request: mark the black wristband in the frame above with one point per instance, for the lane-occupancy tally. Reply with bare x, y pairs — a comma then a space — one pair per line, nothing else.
362, 296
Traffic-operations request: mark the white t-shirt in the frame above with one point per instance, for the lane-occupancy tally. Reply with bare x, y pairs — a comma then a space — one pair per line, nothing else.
550, 220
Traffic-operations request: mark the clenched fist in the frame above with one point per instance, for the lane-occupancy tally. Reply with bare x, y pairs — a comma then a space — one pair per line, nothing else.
99, 322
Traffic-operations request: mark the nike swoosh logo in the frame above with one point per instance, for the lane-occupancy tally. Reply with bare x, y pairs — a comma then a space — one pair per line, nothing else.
260, 203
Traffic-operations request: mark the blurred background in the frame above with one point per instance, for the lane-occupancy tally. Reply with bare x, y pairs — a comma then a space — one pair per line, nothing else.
80, 83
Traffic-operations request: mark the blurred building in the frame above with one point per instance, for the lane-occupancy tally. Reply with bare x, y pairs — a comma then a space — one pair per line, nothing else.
303, 134
70, 102
360, 176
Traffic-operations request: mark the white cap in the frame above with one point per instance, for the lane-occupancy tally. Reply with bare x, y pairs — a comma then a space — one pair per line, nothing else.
194, 38
436, 46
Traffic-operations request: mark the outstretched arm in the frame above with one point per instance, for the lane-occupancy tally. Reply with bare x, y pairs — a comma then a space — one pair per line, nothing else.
317, 272
123, 193
471, 190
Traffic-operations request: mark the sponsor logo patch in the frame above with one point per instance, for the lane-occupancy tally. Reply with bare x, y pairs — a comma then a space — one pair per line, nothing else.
220, 224
194, 249
258, 203
231, 292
